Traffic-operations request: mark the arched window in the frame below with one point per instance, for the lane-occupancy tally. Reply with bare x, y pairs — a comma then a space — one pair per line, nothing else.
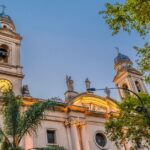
138, 86
5, 27
4, 54
126, 92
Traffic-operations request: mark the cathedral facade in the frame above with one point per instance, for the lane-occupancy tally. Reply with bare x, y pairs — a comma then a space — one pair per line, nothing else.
78, 124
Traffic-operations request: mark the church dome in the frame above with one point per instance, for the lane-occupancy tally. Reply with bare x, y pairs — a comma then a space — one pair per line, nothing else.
6, 22
121, 58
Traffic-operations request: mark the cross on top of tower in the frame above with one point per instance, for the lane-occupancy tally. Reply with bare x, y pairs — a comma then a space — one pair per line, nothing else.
3, 8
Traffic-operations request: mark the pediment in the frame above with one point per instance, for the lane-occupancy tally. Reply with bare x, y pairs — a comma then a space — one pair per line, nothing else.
95, 103
94, 107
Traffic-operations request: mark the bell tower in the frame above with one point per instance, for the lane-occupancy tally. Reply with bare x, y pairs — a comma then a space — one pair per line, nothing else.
10, 68
127, 76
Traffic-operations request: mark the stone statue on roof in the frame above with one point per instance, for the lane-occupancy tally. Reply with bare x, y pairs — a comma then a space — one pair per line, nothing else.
87, 83
107, 92
25, 91
69, 83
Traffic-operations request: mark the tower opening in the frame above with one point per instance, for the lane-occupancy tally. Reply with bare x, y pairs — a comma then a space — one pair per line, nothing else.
138, 86
5, 27
4, 54
126, 92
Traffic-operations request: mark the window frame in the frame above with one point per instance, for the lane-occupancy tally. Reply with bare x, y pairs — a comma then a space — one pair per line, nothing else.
6, 47
55, 139
107, 142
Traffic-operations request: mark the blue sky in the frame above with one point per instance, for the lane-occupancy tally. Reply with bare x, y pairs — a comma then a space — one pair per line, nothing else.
67, 38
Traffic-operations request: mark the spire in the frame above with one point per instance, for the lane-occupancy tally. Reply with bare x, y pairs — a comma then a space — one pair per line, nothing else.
5, 20
121, 58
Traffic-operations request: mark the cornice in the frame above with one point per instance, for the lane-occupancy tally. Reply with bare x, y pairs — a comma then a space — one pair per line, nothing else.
10, 66
28, 101
10, 34
12, 74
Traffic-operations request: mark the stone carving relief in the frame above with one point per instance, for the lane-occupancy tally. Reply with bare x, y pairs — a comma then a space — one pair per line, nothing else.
93, 107
75, 121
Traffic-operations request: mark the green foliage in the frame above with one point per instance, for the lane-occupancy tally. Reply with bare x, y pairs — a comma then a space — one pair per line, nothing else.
128, 16
31, 119
130, 125
18, 123
11, 114
133, 14
144, 61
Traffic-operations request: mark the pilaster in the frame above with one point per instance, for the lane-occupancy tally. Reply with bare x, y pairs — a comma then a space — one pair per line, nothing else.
84, 138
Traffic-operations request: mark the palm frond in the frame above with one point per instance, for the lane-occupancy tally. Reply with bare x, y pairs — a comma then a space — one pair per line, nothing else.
32, 117
11, 114
4, 141
11, 106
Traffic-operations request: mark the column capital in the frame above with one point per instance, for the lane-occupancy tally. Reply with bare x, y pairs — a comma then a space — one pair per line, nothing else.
74, 122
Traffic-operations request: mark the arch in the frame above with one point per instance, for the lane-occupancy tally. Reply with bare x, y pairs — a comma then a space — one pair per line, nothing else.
126, 92
94, 103
4, 26
4, 51
138, 86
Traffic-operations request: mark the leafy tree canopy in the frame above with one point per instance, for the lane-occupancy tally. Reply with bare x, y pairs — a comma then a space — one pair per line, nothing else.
128, 16
144, 61
132, 14
130, 125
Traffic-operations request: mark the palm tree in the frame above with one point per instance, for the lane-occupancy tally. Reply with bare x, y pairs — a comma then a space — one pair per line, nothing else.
17, 123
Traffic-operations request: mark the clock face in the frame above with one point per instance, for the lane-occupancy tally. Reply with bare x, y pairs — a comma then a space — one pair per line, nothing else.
5, 85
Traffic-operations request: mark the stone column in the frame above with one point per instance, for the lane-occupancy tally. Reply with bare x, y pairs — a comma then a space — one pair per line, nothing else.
84, 138
132, 86
75, 138
143, 86
121, 147
69, 137
119, 90
28, 138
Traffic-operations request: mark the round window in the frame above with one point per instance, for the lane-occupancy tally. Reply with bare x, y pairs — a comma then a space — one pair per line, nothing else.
101, 140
